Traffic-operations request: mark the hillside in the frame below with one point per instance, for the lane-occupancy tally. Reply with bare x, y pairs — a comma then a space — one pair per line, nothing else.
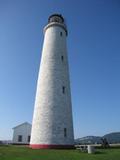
111, 138
88, 140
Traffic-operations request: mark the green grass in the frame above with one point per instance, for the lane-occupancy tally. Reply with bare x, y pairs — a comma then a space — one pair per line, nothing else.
24, 153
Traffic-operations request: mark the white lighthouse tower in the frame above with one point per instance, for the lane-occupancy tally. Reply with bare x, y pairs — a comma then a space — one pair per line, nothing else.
52, 125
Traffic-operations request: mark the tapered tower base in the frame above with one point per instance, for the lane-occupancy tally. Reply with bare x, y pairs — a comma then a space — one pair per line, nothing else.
50, 146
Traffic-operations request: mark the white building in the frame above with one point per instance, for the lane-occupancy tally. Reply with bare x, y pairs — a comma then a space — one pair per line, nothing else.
52, 125
21, 133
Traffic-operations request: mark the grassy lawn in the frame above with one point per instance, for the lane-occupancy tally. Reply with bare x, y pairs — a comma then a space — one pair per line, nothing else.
24, 153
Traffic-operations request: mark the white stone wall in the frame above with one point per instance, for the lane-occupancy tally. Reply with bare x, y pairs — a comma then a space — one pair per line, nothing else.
24, 130
53, 111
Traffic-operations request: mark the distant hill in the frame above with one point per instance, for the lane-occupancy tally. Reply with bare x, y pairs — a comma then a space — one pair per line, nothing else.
111, 138
88, 140
5, 142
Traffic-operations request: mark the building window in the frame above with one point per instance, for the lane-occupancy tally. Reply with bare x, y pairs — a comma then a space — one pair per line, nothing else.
65, 132
60, 33
63, 89
19, 138
28, 139
62, 58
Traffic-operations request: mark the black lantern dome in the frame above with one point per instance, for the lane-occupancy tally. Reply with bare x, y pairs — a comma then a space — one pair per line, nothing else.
56, 18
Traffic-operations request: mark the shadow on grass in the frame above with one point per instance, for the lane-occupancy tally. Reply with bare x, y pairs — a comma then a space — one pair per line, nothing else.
99, 152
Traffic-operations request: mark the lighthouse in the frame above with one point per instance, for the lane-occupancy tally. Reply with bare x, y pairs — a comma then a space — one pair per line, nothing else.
52, 125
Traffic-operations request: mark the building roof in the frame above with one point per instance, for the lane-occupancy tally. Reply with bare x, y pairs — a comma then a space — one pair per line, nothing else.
25, 123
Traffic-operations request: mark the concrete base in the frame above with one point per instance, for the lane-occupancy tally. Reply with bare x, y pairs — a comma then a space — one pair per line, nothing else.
91, 149
50, 146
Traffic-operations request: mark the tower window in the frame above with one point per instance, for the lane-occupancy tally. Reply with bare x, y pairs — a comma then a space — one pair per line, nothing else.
65, 132
60, 33
63, 89
19, 138
62, 58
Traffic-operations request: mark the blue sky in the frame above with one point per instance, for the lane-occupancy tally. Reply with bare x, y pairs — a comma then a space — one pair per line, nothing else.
94, 61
